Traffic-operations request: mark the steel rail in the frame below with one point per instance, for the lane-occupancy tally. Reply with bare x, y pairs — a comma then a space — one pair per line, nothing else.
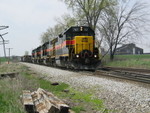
130, 75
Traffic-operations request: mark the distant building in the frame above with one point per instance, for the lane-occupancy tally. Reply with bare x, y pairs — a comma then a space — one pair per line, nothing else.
129, 49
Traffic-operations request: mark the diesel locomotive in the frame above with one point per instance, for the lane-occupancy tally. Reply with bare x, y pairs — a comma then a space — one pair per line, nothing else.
74, 48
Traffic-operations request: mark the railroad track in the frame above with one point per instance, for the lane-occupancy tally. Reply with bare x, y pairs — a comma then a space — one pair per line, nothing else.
140, 75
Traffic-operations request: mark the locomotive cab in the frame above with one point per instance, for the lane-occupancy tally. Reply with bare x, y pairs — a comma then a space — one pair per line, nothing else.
81, 46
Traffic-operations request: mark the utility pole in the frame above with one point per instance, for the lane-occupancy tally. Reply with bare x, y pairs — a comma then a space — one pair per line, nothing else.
0, 61
9, 54
3, 41
1, 35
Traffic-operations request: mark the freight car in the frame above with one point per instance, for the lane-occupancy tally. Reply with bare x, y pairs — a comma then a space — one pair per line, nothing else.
74, 48
26, 58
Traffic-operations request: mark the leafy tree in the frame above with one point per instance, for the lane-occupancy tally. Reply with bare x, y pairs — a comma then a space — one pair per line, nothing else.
88, 11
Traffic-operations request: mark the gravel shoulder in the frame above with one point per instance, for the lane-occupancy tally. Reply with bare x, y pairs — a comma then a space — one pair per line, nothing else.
120, 95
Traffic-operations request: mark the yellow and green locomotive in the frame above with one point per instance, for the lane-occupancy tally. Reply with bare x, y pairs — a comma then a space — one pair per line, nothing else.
74, 48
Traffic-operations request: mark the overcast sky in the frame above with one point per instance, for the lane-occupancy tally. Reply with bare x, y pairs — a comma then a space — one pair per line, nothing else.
28, 19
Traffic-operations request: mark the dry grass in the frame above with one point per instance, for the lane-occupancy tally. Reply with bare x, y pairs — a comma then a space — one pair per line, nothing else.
11, 88
9, 96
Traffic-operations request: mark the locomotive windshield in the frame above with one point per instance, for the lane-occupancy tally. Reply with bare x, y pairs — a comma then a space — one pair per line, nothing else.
82, 34
79, 31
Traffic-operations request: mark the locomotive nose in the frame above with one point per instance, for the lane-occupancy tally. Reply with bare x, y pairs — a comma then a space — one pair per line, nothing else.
87, 61
86, 54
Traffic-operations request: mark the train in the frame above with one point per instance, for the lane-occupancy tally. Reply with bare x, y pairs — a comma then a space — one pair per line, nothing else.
74, 48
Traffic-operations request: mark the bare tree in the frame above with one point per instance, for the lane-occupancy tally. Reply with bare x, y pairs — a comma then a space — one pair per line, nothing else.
66, 21
121, 23
62, 23
51, 33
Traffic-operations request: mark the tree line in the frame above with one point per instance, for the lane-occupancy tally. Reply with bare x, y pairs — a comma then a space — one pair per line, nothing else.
114, 21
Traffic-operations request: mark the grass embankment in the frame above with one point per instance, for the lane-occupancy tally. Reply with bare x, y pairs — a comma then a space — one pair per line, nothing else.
134, 61
11, 89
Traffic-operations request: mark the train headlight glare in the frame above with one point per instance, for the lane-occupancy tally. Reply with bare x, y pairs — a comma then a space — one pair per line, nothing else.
95, 56
77, 56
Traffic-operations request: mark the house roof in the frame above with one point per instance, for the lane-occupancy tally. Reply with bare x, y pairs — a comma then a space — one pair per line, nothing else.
127, 45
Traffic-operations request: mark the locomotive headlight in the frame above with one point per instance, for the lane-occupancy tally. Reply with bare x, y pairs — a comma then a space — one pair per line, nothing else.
77, 56
95, 56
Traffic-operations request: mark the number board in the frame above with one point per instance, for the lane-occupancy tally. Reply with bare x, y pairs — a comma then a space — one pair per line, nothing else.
84, 39
76, 29
86, 29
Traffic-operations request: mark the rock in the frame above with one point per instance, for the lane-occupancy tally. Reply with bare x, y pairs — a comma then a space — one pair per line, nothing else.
66, 90
55, 83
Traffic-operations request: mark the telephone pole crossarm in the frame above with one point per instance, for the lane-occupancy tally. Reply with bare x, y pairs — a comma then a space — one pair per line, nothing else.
3, 27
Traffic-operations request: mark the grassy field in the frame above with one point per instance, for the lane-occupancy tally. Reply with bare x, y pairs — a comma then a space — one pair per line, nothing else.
2, 59
135, 61
11, 89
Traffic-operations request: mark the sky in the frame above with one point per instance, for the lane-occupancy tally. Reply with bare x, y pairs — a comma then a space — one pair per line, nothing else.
28, 19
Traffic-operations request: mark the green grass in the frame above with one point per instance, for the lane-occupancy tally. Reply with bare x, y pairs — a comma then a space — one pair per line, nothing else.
78, 109
135, 61
45, 84
83, 101
55, 89
2, 59
95, 103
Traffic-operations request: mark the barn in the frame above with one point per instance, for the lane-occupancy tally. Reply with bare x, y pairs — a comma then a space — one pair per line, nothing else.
129, 49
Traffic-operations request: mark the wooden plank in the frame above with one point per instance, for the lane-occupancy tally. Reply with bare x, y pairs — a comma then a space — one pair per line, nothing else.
63, 108
41, 101
27, 101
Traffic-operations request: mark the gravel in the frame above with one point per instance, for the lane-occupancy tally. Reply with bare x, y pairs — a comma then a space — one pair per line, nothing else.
123, 96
